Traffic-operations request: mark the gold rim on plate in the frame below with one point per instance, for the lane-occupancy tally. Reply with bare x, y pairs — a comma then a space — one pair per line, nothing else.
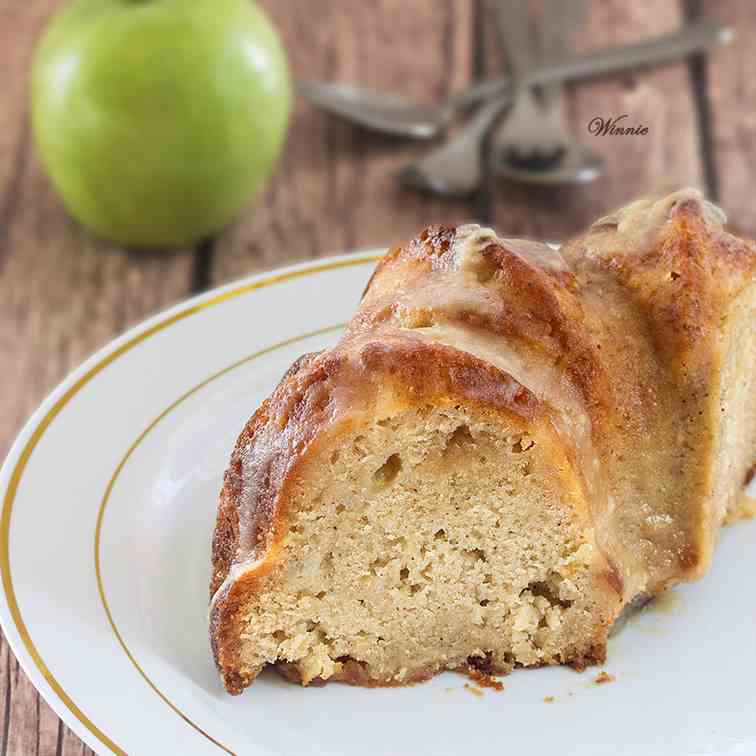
111, 485
54, 411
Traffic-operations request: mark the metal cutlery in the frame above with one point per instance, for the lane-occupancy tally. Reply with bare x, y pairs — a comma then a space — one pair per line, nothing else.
392, 114
531, 145
528, 137
456, 168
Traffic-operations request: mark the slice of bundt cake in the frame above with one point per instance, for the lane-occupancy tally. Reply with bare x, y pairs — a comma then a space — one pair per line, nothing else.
508, 446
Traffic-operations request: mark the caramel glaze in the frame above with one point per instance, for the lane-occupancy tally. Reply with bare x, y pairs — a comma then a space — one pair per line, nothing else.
657, 281
613, 342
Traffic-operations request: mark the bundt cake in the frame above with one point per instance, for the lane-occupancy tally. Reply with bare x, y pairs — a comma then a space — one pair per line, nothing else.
508, 445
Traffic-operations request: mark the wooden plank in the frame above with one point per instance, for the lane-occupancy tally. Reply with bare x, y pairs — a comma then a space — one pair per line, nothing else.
334, 188
62, 295
65, 294
70, 745
731, 90
667, 157
50, 731
23, 730
29, 725
19, 25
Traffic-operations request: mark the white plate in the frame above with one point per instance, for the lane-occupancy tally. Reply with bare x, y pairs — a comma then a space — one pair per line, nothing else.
109, 501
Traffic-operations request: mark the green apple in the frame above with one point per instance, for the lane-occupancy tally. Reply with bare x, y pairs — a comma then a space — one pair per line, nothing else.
158, 119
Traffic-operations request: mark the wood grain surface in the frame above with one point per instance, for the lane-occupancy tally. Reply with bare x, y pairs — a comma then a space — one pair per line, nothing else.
335, 189
730, 88
63, 293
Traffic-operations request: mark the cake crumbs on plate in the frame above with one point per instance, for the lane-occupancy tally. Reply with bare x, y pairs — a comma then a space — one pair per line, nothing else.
474, 689
549, 699
604, 677
481, 678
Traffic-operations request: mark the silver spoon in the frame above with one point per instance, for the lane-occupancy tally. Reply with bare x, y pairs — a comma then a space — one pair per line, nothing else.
456, 168
531, 146
392, 114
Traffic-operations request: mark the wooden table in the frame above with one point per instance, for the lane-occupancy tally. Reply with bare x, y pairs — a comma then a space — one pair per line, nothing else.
64, 294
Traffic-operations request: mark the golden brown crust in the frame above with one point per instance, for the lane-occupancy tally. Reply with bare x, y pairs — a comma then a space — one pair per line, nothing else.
673, 284
226, 534
537, 308
665, 275
680, 278
590, 657
749, 476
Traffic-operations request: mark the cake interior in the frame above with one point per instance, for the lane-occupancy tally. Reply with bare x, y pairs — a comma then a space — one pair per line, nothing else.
429, 540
